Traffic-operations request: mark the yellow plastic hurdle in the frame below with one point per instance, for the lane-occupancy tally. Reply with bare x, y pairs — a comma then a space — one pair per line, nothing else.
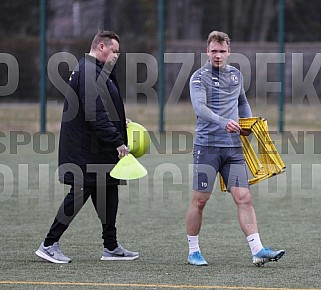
267, 162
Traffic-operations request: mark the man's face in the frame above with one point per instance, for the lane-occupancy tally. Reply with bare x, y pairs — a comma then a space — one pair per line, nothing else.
218, 53
110, 53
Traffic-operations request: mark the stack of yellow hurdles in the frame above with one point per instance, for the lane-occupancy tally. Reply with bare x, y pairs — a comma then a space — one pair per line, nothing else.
268, 161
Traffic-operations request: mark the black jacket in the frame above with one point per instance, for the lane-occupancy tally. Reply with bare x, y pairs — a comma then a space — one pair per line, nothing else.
93, 125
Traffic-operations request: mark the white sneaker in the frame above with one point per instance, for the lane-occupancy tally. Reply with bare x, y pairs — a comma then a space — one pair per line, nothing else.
119, 254
52, 254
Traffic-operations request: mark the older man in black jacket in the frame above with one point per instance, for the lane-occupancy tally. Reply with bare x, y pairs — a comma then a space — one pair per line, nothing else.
92, 139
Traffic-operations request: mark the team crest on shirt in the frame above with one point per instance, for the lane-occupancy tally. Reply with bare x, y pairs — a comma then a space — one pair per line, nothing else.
234, 79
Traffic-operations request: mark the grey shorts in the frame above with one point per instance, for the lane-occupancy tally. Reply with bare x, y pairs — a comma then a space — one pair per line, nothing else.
228, 161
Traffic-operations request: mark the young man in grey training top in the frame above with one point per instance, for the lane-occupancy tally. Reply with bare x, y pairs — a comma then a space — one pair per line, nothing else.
219, 100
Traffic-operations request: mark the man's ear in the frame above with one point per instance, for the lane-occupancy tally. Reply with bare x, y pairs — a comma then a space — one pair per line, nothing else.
101, 46
207, 52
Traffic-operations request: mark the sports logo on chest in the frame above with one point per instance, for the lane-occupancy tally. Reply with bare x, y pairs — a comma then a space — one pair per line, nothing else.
234, 79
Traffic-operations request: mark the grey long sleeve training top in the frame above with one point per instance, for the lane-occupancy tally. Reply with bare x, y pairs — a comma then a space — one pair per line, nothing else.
218, 96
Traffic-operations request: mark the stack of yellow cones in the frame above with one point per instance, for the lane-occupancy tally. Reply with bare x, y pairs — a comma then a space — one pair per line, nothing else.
128, 168
138, 139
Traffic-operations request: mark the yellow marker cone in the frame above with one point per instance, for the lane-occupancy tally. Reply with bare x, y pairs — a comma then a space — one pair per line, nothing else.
128, 168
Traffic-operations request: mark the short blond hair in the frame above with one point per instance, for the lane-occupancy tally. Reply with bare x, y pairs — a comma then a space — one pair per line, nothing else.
219, 37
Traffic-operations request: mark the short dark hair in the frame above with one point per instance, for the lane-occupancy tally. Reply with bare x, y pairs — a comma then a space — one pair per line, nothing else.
219, 37
104, 36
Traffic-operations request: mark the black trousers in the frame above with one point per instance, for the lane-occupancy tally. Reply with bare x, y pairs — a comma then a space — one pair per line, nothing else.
105, 200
